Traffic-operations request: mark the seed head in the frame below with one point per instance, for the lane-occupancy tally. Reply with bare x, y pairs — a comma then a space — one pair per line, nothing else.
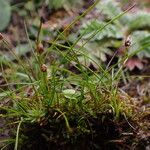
44, 68
40, 48
1, 36
128, 41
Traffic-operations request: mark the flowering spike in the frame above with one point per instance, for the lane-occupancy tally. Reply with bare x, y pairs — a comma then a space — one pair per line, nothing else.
40, 48
128, 41
1, 36
44, 68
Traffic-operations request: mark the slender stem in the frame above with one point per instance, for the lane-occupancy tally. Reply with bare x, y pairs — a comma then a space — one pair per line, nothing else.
17, 135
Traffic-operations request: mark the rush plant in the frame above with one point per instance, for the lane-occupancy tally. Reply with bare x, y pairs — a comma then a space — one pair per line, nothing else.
44, 94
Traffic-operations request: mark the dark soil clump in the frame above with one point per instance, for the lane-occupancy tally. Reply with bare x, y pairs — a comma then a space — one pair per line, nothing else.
100, 132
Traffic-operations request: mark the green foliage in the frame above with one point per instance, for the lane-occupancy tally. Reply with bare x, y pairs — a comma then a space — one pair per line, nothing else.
102, 42
141, 40
118, 30
63, 3
56, 3
52, 4
5, 14
109, 8
95, 52
91, 27
22, 49
140, 20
